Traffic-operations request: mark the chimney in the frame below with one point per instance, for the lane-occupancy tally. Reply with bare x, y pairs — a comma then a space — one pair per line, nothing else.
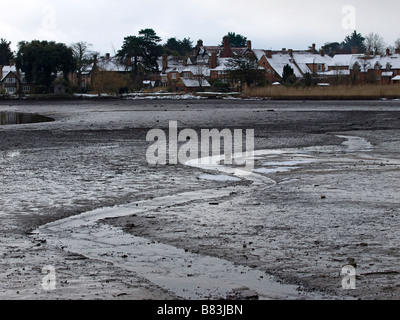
11, 62
283, 50
249, 44
197, 48
322, 52
227, 42
387, 51
226, 51
313, 48
213, 60
269, 54
164, 62
291, 53
354, 50
107, 56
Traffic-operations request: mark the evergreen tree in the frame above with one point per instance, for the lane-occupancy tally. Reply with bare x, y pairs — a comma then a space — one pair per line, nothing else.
143, 49
355, 40
42, 60
236, 40
178, 47
288, 75
5, 52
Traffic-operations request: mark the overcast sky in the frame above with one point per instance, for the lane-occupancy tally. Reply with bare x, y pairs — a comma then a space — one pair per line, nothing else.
270, 24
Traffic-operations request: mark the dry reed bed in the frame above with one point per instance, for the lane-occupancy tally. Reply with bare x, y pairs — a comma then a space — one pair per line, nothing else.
326, 92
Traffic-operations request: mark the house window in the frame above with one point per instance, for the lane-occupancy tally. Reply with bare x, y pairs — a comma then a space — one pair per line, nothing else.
10, 80
319, 67
26, 89
173, 76
11, 90
186, 75
268, 70
377, 66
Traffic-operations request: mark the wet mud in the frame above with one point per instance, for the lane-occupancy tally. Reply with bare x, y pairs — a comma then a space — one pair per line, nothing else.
78, 194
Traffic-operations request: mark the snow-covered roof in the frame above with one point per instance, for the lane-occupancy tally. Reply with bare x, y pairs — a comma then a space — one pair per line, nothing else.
280, 60
6, 71
306, 58
258, 53
349, 60
396, 78
111, 64
199, 70
342, 60
222, 64
337, 73
194, 83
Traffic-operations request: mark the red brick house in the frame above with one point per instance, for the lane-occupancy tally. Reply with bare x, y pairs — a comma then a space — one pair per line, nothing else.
301, 61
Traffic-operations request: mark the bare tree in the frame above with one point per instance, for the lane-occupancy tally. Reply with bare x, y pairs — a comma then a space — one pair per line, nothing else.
201, 74
374, 44
83, 58
397, 44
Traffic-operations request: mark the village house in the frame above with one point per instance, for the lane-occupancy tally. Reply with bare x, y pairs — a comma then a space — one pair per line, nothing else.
12, 81
366, 69
206, 64
301, 61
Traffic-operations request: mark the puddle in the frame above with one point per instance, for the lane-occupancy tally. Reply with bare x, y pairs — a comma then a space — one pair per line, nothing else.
9, 118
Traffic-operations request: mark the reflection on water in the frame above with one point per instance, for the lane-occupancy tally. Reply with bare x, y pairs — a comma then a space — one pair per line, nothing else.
7, 118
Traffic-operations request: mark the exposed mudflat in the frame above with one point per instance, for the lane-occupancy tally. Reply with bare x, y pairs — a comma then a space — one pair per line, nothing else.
78, 194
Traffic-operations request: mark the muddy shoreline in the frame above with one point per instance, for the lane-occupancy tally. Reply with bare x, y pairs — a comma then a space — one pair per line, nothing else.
301, 230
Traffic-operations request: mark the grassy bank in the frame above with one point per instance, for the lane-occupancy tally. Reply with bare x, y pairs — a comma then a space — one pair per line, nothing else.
328, 92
